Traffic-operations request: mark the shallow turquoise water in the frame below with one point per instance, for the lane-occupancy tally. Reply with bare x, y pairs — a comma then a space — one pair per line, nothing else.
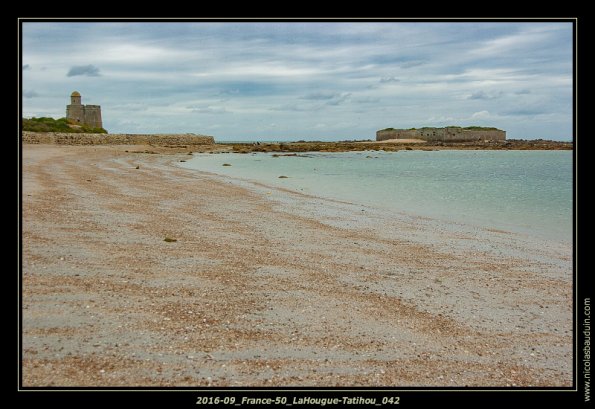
527, 192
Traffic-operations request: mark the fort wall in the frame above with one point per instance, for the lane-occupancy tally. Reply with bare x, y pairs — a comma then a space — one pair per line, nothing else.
452, 134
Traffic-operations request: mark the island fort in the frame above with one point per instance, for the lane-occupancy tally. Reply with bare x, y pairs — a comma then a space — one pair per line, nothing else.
448, 134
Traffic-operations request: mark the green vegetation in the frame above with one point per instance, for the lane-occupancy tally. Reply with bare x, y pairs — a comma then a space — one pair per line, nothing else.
481, 128
45, 124
468, 128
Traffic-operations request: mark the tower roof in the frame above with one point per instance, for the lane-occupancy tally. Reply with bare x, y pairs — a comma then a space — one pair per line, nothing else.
75, 94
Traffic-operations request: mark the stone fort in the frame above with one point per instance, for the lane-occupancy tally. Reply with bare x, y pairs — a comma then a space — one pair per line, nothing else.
448, 134
79, 114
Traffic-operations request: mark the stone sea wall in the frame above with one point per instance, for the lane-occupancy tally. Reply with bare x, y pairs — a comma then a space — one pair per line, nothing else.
116, 139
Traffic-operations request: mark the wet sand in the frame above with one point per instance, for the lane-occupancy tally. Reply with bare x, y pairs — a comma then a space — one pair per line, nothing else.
267, 287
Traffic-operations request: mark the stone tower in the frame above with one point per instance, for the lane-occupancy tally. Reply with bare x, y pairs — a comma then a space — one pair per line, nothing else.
75, 98
77, 113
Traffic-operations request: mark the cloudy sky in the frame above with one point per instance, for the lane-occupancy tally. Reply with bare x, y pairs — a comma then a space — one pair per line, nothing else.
289, 81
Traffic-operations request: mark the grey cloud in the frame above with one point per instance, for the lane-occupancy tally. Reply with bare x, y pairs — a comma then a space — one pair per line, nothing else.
130, 107
295, 107
26, 67
234, 91
208, 110
389, 79
484, 95
411, 64
523, 92
30, 94
88, 70
524, 112
331, 98
367, 100
322, 95
339, 99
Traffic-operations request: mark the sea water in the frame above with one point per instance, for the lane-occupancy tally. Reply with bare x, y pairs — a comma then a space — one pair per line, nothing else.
528, 192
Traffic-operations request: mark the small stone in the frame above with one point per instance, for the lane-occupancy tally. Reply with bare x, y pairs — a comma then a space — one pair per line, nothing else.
137, 167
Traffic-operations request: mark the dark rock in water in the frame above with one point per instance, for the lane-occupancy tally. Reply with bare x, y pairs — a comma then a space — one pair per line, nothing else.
226, 164
182, 160
283, 177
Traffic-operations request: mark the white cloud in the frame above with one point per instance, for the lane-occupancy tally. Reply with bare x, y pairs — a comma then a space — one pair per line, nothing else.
209, 110
527, 38
481, 115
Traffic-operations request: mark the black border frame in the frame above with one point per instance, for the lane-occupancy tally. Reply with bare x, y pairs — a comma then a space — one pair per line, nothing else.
417, 395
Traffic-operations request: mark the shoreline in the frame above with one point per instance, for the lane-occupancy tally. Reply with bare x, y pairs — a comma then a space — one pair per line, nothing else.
240, 176
268, 289
203, 143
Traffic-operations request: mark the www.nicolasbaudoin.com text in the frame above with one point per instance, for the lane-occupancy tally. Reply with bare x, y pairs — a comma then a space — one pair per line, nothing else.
587, 348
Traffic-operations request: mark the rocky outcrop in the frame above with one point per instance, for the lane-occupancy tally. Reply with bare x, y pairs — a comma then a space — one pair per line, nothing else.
116, 139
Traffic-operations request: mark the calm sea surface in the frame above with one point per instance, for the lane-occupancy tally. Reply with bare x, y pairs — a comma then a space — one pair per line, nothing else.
527, 192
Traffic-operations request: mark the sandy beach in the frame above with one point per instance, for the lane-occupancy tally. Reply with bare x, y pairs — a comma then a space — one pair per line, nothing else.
261, 286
